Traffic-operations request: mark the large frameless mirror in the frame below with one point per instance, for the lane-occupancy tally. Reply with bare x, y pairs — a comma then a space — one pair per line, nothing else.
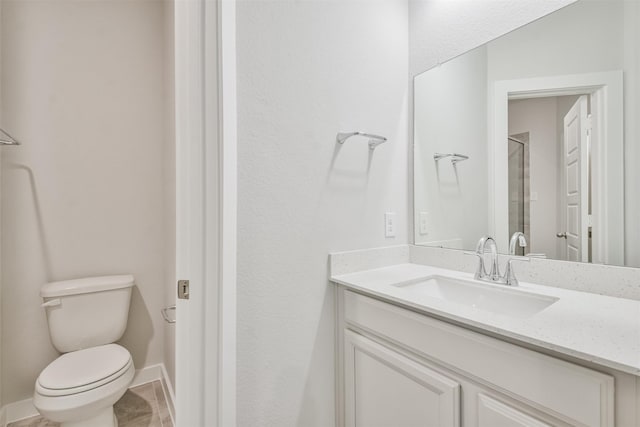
535, 132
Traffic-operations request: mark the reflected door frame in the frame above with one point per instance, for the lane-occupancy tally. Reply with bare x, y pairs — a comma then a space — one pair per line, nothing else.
606, 90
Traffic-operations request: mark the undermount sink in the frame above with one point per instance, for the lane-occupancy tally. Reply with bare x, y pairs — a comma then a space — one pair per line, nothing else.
489, 298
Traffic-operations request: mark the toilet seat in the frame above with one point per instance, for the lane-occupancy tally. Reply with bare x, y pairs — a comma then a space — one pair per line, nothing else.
83, 370
90, 404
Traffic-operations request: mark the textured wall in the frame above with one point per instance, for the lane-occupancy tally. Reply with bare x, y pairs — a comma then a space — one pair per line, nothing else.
83, 88
169, 191
307, 70
442, 29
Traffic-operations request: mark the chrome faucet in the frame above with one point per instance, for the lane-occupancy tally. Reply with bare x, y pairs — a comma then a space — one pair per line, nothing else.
493, 275
517, 239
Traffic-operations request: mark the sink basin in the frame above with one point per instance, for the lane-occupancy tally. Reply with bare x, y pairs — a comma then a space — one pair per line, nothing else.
490, 298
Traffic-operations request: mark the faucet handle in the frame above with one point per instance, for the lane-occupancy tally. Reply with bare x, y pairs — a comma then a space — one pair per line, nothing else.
481, 270
509, 276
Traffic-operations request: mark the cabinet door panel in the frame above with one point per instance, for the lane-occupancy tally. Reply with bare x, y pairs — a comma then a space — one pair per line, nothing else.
384, 388
492, 413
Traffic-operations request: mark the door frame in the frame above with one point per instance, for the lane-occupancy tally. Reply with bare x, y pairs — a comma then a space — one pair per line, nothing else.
606, 89
206, 210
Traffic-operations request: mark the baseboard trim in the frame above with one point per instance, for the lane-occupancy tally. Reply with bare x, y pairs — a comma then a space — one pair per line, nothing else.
17, 411
3, 416
147, 375
167, 387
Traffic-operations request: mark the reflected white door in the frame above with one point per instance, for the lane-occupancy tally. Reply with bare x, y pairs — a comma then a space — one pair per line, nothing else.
576, 161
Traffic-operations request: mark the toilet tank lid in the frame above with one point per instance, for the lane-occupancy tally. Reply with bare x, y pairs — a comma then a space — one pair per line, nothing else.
86, 285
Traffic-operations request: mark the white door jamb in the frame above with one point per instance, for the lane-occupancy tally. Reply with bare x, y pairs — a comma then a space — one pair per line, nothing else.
206, 211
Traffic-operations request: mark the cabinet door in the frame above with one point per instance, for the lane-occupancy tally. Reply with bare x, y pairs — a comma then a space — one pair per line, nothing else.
384, 388
493, 413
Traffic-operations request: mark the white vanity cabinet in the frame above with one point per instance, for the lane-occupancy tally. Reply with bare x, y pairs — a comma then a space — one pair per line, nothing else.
402, 368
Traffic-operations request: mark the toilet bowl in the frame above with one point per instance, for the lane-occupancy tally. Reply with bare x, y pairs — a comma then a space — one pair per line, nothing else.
85, 317
81, 387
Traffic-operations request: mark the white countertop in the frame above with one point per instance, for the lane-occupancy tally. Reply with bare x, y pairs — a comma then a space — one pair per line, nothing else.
595, 328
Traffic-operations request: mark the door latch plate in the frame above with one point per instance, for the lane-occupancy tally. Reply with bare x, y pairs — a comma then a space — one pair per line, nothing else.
183, 289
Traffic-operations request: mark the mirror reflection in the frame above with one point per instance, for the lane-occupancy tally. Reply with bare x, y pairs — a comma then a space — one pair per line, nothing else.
532, 138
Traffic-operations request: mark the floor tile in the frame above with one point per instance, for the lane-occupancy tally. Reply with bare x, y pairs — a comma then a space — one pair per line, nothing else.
33, 422
141, 406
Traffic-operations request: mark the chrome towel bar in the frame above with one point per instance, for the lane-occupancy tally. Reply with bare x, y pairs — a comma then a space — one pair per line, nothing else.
455, 157
374, 140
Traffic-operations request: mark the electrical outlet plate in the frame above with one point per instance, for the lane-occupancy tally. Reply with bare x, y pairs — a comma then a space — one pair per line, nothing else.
390, 224
424, 223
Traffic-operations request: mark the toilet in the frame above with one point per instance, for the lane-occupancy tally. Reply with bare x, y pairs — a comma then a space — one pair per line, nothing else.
85, 318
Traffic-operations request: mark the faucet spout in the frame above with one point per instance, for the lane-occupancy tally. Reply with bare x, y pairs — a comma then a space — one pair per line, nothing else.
481, 249
493, 275
518, 239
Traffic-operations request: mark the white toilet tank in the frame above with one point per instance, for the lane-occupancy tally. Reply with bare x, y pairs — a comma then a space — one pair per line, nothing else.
87, 312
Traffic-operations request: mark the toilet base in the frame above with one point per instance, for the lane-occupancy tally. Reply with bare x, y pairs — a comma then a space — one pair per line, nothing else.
105, 418
92, 407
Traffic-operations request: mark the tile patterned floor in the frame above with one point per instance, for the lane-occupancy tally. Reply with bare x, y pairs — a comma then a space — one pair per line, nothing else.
141, 406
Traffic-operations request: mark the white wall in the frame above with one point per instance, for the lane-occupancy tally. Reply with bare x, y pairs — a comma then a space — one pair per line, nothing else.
455, 91
169, 226
84, 90
584, 37
1, 121
442, 29
539, 117
307, 70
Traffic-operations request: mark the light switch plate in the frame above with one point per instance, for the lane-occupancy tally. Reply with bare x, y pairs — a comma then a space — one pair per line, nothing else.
390, 224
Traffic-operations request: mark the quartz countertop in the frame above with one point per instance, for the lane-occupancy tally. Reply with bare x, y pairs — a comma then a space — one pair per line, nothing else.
595, 328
